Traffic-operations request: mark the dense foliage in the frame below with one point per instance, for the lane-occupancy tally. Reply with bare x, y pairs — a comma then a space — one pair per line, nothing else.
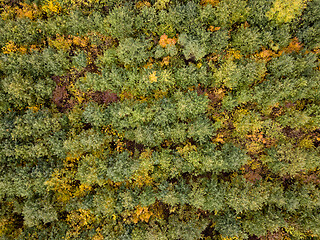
160, 119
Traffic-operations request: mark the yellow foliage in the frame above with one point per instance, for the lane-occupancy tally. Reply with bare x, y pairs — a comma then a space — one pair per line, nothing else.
11, 47
211, 2
108, 129
71, 159
141, 176
165, 61
229, 238
219, 138
125, 95
35, 108
61, 185
160, 94
149, 65
81, 217
161, 4
233, 54
4, 222
254, 147
141, 214
120, 146
76, 93
142, 179
142, 4
78, 220
186, 149
164, 41
60, 43
146, 154
82, 42
34, 48
294, 46
245, 121
265, 54
81, 2
51, 6
23, 50
82, 190
28, 11
98, 235
213, 28
199, 65
213, 57
306, 143
8, 12
61, 181
152, 77
284, 11
158, 210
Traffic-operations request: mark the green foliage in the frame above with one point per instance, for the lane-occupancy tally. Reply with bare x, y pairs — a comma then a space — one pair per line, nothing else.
26, 79
258, 10
310, 33
86, 141
285, 159
37, 212
120, 24
228, 226
243, 196
229, 12
94, 114
159, 119
285, 11
291, 78
185, 229
259, 223
246, 122
192, 76
246, 40
25, 91
118, 169
20, 31
239, 76
33, 137
152, 125
133, 51
80, 60
192, 48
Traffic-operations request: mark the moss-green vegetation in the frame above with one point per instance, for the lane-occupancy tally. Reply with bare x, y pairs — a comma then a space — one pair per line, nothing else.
159, 119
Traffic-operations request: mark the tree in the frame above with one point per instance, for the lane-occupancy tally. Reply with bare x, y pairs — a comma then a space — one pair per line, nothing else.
159, 119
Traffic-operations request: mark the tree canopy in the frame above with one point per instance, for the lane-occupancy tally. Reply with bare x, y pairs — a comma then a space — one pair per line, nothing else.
160, 119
